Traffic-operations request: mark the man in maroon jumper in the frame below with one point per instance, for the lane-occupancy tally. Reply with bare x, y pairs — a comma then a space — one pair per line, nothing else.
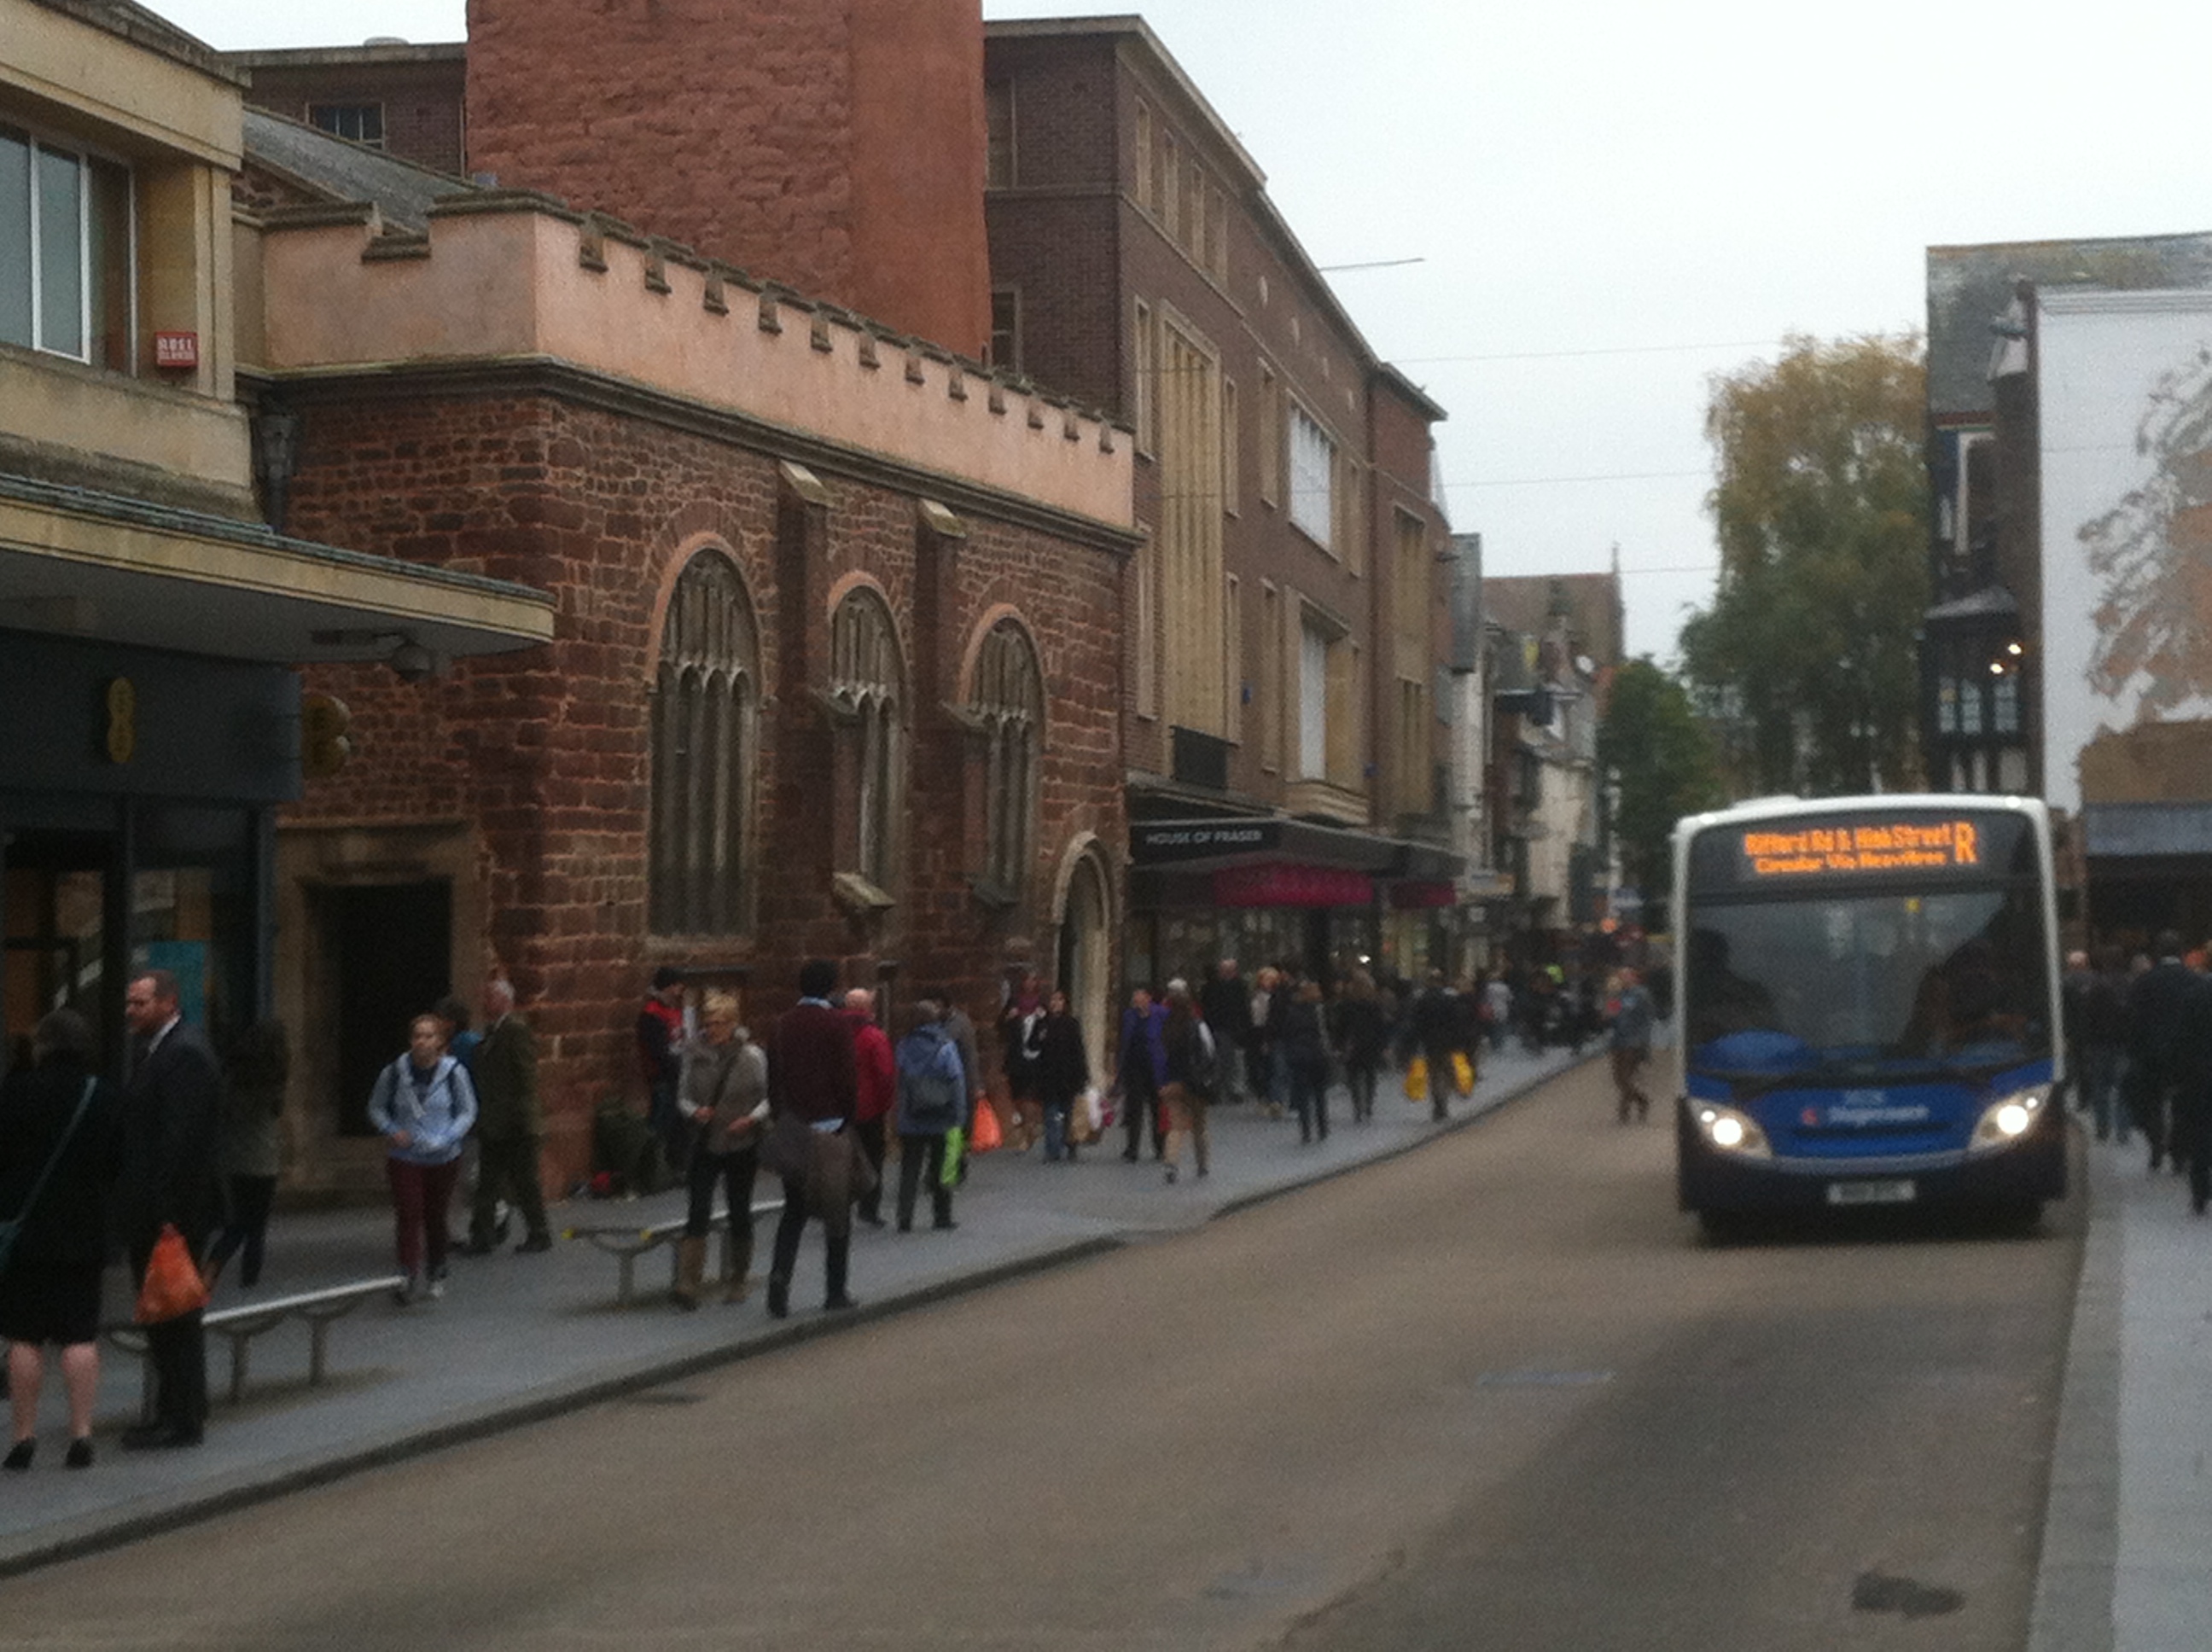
810, 1078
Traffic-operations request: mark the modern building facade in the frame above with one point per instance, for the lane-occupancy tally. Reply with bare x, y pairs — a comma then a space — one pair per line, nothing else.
1287, 626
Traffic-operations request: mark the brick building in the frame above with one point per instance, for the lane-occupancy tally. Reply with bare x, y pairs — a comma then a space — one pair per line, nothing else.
1289, 614
408, 101
836, 149
834, 668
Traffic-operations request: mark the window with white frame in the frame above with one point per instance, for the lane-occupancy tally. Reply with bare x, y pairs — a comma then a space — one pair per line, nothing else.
705, 707
1313, 478
1313, 701
66, 252
357, 122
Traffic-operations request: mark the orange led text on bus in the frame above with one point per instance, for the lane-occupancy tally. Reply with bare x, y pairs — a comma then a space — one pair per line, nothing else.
1899, 845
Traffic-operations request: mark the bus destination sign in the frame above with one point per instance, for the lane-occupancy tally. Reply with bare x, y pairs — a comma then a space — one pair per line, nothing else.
1863, 847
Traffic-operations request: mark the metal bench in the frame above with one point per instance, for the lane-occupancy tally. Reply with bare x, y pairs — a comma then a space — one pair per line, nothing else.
243, 1322
628, 1241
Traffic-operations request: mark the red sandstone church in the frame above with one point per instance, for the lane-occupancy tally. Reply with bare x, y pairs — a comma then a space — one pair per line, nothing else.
867, 646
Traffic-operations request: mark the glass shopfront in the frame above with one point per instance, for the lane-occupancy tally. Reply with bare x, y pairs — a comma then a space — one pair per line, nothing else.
118, 851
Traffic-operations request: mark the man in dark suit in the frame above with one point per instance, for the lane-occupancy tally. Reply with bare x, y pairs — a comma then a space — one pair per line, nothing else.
172, 1111
2160, 1006
510, 1129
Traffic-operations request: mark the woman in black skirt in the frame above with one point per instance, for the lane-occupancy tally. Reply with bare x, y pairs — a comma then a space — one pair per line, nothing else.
49, 1288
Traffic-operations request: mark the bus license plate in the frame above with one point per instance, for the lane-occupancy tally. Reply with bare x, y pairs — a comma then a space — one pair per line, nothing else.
1871, 1192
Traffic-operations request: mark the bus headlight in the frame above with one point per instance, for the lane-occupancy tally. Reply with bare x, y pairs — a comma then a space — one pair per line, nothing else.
1728, 1130
2008, 1118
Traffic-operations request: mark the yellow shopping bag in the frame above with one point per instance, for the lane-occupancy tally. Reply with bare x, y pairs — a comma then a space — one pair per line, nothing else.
1416, 1079
1462, 1074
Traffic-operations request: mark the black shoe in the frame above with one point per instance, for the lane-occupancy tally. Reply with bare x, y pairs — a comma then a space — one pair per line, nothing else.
1130, 1156
160, 1437
20, 1454
906, 1225
779, 1297
477, 1248
871, 1218
840, 1303
535, 1245
944, 1225
80, 1454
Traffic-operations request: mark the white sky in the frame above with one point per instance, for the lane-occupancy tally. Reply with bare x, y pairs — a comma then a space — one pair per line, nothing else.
1613, 199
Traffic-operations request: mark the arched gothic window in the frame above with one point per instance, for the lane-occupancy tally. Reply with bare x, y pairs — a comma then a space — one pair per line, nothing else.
864, 682
705, 711
1008, 708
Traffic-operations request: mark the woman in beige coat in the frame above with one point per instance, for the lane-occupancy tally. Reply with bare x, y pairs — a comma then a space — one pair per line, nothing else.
723, 1101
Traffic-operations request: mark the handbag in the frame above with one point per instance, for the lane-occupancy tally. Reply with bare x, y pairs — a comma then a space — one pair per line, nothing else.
173, 1286
1416, 1079
787, 1150
1462, 1074
12, 1228
956, 1142
985, 1134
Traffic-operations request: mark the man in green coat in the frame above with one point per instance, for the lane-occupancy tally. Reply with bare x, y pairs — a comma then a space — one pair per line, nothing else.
509, 1126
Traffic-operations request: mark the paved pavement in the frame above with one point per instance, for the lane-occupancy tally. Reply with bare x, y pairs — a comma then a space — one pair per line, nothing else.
2127, 1546
2127, 1549
517, 1339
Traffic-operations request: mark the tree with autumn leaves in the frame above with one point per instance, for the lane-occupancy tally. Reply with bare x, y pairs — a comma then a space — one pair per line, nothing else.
1660, 765
1806, 660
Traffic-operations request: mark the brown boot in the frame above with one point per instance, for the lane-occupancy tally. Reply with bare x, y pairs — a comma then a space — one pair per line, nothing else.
690, 1268
737, 1276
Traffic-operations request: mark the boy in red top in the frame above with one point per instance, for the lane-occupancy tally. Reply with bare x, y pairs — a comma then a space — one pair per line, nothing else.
660, 1061
875, 1086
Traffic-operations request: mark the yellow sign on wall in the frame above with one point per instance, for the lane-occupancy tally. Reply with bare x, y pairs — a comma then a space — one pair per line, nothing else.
121, 742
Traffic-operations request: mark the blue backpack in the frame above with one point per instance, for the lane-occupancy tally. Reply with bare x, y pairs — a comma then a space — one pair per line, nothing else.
932, 1087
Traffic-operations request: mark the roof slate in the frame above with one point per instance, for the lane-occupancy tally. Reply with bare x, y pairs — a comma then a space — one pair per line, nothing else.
401, 191
1969, 287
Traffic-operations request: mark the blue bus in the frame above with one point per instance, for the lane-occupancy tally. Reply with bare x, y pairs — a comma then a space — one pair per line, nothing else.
1868, 992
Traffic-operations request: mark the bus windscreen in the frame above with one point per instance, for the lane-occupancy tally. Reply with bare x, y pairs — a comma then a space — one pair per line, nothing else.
1865, 949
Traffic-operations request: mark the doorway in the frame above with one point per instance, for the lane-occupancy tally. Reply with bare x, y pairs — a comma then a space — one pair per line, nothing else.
389, 959
1084, 959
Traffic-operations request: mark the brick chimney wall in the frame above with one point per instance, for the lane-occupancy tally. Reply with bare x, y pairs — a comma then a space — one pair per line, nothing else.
833, 145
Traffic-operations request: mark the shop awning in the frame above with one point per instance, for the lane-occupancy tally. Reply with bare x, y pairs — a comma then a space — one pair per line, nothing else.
78, 562
1273, 860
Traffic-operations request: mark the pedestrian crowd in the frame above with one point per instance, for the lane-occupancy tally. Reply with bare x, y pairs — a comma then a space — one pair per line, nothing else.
176, 1168
2138, 1033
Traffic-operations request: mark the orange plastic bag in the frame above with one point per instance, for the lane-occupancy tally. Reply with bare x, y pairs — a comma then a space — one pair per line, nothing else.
173, 1286
984, 1133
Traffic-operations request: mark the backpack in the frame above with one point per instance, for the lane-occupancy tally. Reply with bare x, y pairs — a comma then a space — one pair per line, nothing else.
929, 1083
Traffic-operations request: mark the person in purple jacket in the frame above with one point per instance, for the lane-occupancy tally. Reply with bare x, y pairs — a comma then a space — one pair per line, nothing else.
1140, 1062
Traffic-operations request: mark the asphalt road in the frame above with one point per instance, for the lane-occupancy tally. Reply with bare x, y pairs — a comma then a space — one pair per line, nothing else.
1496, 1393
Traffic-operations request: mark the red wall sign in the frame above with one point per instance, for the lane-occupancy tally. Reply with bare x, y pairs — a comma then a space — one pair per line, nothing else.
1293, 886
176, 349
